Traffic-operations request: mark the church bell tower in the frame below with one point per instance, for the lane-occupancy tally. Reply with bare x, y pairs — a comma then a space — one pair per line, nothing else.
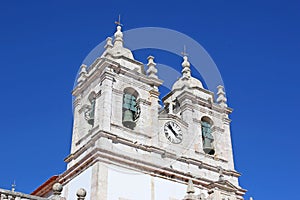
125, 146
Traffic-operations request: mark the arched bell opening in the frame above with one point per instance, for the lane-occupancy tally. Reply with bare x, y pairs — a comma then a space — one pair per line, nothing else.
207, 137
130, 108
89, 113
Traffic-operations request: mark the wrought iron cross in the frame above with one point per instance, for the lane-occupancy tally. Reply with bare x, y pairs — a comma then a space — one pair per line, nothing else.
184, 51
13, 186
119, 21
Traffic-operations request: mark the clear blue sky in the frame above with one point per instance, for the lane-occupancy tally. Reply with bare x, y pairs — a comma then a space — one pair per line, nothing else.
255, 44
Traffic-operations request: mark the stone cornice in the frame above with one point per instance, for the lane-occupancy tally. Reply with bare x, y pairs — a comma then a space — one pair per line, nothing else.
226, 186
119, 69
217, 129
76, 102
140, 77
200, 101
154, 93
151, 149
181, 89
144, 166
186, 95
143, 101
128, 130
118, 92
162, 116
107, 74
94, 73
226, 120
101, 63
126, 58
90, 132
187, 106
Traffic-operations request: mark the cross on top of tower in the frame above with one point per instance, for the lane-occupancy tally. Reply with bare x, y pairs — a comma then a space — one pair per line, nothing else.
119, 21
13, 186
184, 53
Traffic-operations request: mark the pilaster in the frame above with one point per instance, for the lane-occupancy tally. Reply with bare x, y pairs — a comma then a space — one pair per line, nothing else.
75, 137
104, 105
154, 99
99, 181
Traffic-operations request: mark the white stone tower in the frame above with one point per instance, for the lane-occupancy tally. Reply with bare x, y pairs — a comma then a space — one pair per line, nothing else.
125, 146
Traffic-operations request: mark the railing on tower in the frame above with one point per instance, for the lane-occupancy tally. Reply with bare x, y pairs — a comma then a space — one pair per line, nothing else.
57, 189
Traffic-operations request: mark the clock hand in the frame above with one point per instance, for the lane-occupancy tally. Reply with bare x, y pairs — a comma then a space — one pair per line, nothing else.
174, 132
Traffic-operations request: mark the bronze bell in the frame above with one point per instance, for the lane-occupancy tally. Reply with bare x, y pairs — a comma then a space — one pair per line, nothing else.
207, 147
91, 121
128, 119
91, 113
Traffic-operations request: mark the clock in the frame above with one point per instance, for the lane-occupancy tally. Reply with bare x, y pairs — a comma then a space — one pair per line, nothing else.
173, 132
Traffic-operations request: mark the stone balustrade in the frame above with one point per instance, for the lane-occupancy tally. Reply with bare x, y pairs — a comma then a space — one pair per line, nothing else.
10, 195
57, 189
81, 194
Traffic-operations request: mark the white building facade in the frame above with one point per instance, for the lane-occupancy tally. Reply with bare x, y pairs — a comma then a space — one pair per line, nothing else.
126, 146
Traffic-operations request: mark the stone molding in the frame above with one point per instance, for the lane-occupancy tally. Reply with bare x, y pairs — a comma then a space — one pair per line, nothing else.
90, 132
181, 89
108, 157
77, 102
130, 131
151, 149
154, 93
117, 92
224, 185
218, 129
166, 116
143, 101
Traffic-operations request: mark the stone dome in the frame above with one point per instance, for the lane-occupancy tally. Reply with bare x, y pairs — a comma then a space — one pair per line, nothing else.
186, 80
117, 48
121, 51
190, 82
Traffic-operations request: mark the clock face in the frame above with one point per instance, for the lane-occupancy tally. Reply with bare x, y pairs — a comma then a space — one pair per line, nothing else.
173, 132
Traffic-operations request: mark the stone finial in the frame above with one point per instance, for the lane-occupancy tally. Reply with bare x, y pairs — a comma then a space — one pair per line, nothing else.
57, 188
82, 73
221, 177
190, 188
221, 99
118, 37
81, 193
190, 191
202, 196
109, 44
221, 174
152, 70
186, 71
